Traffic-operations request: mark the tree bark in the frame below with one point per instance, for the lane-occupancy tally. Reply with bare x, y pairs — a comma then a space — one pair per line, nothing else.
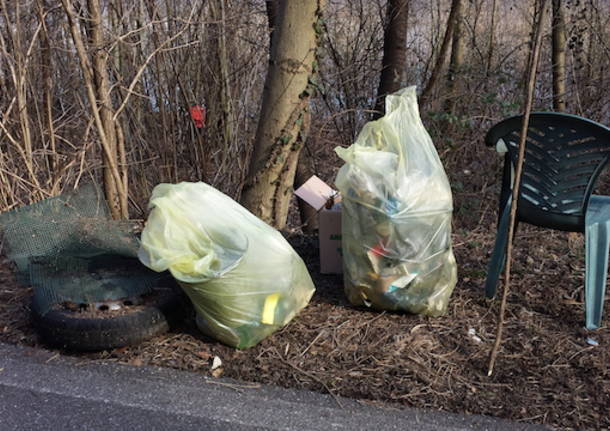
282, 126
559, 57
394, 62
98, 92
305, 169
442, 54
115, 196
456, 61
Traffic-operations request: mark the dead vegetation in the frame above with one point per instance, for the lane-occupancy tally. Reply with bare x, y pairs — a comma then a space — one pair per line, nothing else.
547, 371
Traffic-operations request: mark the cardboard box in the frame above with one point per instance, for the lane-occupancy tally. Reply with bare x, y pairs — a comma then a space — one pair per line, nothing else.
329, 233
318, 194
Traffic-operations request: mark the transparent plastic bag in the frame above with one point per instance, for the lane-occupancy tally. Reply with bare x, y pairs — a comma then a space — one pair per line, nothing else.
397, 209
242, 276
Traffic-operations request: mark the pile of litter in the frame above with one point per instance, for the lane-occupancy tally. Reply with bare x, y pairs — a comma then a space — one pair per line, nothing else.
243, 278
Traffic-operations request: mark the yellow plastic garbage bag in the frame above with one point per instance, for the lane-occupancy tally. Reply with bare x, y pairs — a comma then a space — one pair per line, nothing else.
244, 279
396, 220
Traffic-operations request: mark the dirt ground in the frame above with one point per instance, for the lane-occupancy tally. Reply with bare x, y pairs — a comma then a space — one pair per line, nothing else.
546, 372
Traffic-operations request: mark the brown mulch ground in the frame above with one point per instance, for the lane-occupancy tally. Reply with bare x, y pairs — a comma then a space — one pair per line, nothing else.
546, 372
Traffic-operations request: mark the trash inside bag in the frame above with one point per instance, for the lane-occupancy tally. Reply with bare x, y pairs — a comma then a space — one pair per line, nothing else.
396, 222
244, 279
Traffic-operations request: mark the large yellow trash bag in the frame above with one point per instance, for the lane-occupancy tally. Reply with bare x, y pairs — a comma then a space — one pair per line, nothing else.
242, 276
397, 206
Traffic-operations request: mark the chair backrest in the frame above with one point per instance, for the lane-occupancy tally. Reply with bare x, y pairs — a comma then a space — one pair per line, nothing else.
564, 155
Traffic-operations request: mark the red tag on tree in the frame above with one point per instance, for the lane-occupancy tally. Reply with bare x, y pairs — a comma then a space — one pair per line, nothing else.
198, 116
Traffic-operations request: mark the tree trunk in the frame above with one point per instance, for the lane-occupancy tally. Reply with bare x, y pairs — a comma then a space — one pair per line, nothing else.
102, 87
282, 126
46, 67
394, 63
442, 54
305, 169
456, 61
559, 57
98, 92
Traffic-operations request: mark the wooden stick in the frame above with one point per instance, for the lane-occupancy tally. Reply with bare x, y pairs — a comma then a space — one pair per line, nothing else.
529, 96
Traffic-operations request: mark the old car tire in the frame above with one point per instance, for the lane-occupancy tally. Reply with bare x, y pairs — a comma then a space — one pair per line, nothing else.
69, 330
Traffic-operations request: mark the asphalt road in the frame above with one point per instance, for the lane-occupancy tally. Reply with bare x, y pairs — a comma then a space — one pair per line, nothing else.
40, 390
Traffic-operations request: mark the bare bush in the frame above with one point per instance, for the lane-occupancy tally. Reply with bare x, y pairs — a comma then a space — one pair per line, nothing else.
165, 57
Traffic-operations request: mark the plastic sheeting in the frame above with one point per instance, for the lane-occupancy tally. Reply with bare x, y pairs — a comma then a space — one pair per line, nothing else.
397, 209
242, 276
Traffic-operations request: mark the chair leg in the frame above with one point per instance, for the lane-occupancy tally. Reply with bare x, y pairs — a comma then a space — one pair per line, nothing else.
597, 243
498, 256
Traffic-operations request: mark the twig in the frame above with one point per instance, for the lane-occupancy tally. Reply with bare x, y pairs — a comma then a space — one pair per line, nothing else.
529, 96
311, 376
136, 79
322, 332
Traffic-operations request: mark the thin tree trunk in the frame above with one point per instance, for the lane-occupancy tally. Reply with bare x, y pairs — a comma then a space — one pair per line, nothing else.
492, 34
94, 83
19, 73
394, 63
218, 10
559, 57
46, 68
282, 126
442, 54
21, 85
456, 61
524, 77
113, 189
160, 96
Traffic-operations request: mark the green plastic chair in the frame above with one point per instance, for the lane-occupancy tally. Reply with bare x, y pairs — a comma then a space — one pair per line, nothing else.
564, 156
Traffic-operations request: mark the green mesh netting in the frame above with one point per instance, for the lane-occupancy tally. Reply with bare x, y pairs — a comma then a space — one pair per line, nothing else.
69, 249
